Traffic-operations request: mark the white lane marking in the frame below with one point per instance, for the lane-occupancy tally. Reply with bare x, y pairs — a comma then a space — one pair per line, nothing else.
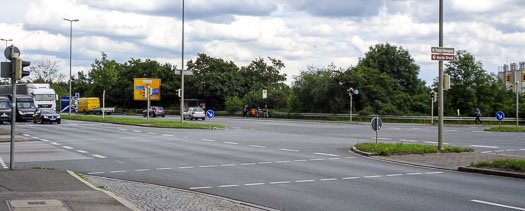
394, 175
334, 158
282, 161
247, 164
435, 172
2, 163
67, 147
226, 165
253, 184
160, 169
27, 135
350, 178
405, 140
44, 140
413, 174
137, 131
55, 143
98, 172
300, 160
326, 154
227, 186
123, 129
289, 150
121, 171
375, 176
209, 140
434, 142
227, 142
451, 130
482, 146
329, 179
350, 157
496, 204
306, 180
316, 159
486, 152
82, 151
266, 162
510, 150
522, 149
499, 151
34, 137
99, 156
167, 135
257, 146
197, 188
151, 133
208, 166
280, 182
141, 169
186, 167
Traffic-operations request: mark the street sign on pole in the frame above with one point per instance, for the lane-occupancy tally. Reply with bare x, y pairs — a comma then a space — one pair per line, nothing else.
376, 125
439, 57
265, 93
441, 50
356, 92
500, 115
210, 114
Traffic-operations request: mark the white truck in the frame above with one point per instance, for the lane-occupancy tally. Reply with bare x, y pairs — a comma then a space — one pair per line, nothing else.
43, 95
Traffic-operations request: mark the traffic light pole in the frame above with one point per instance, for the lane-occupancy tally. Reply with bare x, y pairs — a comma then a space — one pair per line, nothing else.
440, 88
13, 113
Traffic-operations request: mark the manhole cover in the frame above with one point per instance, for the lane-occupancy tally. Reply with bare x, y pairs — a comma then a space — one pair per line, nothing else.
37, 205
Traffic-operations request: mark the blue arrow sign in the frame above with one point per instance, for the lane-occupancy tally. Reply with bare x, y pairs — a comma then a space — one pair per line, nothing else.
356, 92
210, 114
500, 115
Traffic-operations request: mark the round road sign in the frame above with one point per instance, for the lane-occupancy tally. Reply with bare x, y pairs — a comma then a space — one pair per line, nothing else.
500, 115
210, 114
376, 123
356, 92
7, 51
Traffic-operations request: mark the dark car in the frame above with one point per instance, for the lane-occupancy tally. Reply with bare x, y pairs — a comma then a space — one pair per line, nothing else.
25, 107
46, 115
5, 110
155, 111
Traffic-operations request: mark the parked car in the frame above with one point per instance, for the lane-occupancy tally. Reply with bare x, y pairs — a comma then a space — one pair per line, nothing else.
46, 115
194, 113
155, 111
5, 110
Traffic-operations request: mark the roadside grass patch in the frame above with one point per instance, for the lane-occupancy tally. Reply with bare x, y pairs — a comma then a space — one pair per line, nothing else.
507, 164
506, 129
405, 149
152, 122
38, 167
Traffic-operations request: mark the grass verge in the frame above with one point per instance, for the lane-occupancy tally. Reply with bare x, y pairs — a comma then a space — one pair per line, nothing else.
404, 149
507, 164
152, 122
506, 129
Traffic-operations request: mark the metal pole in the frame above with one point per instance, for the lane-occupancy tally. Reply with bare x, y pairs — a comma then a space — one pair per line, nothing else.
440, 112
377, 127
182, 71
350, 108
13, 116
432, 112
70, 50
517, 98
103, 102
147, 109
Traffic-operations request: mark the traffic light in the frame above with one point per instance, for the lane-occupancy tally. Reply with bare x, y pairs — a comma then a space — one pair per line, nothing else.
178, 92
19, 65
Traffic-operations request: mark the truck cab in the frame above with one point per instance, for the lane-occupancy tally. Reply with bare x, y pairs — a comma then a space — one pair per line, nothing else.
5, 109
43, 95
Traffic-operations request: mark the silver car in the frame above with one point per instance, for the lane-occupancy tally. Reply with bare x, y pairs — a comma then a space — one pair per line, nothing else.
194, 113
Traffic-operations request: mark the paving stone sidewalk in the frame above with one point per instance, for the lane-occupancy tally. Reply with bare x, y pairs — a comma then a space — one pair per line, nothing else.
450, 161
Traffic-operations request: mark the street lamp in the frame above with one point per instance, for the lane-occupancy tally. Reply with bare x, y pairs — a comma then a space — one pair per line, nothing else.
182, 71
350, 93
70, 49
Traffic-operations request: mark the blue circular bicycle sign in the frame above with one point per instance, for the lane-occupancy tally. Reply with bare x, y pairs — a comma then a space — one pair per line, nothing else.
210, 114
500, 115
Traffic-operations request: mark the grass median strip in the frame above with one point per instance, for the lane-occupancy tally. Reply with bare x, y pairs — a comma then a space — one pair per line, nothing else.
506, 129
404, 149
507, 164
131, 121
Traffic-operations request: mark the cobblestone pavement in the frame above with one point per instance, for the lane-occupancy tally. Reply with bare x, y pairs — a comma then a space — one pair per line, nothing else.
451, 161
155, 197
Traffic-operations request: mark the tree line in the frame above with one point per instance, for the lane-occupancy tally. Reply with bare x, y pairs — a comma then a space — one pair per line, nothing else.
386, 77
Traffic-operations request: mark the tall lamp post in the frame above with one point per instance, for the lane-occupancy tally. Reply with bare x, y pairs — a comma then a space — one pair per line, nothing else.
182, 71
70, 50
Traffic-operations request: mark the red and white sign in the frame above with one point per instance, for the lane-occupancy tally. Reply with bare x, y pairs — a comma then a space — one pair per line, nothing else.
440, 57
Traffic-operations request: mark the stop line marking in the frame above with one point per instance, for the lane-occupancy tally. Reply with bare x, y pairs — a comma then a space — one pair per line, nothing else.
310, 180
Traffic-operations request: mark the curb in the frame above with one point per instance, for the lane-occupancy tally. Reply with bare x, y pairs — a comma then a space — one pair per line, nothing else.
141, 125
492, 172
367, 154
110, 194
374, 156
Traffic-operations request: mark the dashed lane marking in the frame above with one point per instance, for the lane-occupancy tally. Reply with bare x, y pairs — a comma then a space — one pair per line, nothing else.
137, 131
265, 162
99, 156
67, 147
34, 137
167, 135
405, 140
247, 164
280, 182
197, 188
257, 146
120, 171
227, 186
152, 133
207, 166
393, 175
141, 169
283, 161
253, 184
306, 180
226, 165
186, 167
122, 129
412, 174
374, 176
482, 146
82, 151
209, 140
497, 205
55, 143
98, 172
300, 160
161, 169
233, 143
316, 159
289, 150
326, 154
26, 135
328, 179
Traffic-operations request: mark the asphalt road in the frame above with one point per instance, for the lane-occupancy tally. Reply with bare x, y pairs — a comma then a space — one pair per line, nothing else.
286, 165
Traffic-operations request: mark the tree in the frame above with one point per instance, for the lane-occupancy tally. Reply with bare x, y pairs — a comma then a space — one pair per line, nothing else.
45, 71
233, 104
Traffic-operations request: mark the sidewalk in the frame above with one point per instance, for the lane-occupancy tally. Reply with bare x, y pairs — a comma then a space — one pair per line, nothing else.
39, 190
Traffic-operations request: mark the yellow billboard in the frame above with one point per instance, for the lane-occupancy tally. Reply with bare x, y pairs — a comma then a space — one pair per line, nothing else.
141, 84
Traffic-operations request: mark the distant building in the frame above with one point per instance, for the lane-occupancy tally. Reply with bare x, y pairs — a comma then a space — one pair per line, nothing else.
513, 74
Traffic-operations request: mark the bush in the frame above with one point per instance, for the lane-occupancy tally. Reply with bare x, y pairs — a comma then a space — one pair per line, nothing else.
233, 104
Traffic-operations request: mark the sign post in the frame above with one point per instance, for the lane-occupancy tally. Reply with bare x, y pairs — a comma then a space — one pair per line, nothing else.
376, 124
210, 114
265, 94
500, 115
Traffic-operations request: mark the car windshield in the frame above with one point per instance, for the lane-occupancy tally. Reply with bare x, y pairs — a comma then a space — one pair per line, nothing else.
25, 104
44, 97
5, 104
48, 112
198, 110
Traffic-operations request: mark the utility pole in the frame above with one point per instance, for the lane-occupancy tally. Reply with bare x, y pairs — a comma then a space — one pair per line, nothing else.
440, 88
182, 71
70, 50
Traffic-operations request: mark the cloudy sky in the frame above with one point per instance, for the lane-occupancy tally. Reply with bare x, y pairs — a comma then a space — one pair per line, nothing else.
299, 32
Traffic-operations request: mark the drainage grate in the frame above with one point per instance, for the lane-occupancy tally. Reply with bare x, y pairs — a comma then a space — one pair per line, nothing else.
29, 205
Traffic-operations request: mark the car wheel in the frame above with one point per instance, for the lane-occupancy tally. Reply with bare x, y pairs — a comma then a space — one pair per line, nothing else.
58, 122
203, 118
34, 121
41, 121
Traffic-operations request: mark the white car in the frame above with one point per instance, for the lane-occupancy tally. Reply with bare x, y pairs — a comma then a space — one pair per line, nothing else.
194, 113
